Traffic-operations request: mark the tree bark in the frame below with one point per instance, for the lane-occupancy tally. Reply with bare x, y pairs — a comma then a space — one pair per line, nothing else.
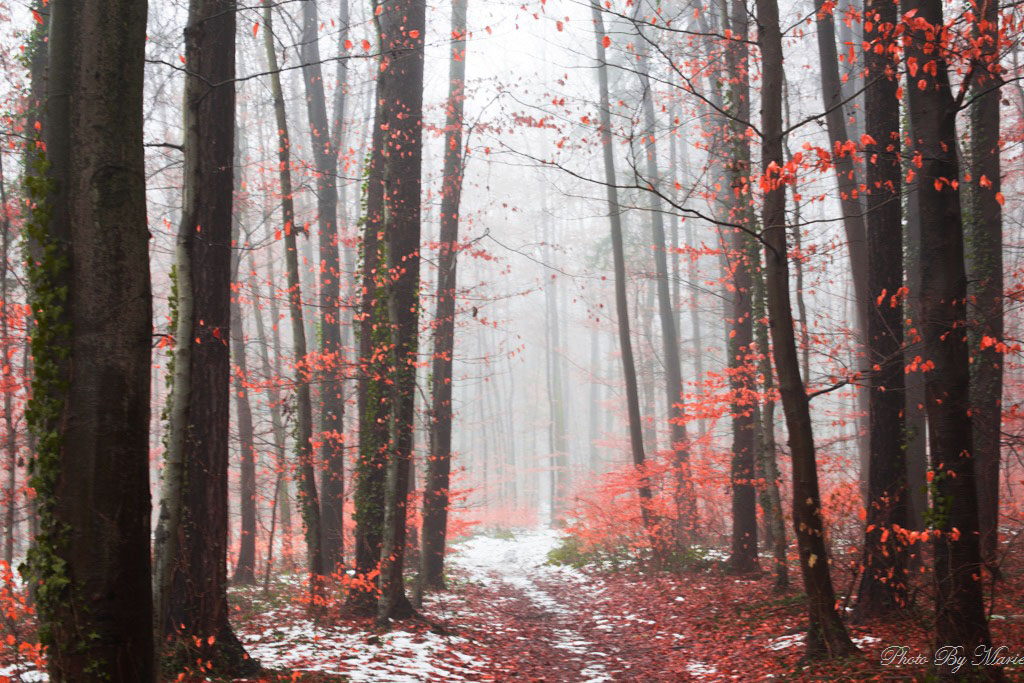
331, 431
960, 614
826, 636
402, 29
741, 369
196, 604
435, 494
985, 264
304, 408
91, 299
883, 587
636, 438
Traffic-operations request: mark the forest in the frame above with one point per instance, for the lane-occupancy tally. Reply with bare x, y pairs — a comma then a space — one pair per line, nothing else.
577, 341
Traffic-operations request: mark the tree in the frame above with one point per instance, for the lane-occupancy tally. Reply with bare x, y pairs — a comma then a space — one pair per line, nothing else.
826, 635
883, 586
741, 335
985, 267
331, 431
303, 402
90, 295
402, 28
435, 494
636, 438
960, 613
666, 313
192, 533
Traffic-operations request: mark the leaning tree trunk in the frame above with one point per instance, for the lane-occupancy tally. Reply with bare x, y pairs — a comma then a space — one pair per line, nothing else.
332, 404
985, 260
304, 404
883, 587
826, 635
90, 295
435, 493
959, 607
402, 28
195, 610
636, 437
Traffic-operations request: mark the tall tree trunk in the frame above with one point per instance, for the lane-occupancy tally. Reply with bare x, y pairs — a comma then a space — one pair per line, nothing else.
197, 479
826, 636
767, 448
374, 402
304, 408
8, 388
915, 418
245, 566
636, 439
332, 405
435, 493
558, 443
959, 607
90, 295
741, 334
833, 95
883, 586
985, 262
666, 314
402, 29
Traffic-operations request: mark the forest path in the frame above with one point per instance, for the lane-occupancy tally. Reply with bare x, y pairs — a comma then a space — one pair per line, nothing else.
540, 622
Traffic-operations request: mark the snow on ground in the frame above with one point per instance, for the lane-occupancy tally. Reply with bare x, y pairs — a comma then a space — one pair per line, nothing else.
396, 657
522, 562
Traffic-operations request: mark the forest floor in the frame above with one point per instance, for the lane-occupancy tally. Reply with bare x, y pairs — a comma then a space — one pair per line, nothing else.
511, 615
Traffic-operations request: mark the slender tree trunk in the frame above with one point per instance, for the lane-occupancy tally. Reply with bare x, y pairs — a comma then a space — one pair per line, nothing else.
331, 362
883, 586
636, 439
960, 613
833, 94
402, 29
8, 388
985, 262
667, 316
91, 298
245, 566
303, 414
768, 450
826, 636
558, 466
435, 494
741, 334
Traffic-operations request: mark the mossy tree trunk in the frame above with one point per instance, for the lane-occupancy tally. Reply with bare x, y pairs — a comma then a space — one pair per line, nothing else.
91, 298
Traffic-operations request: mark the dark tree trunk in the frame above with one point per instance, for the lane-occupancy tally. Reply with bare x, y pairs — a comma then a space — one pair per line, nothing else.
833, 95
331, 363
636, 439
245, 566
741, 334
915, 419
6, 351
435, 494
960, 613
883, 586
304, 405
827, 636
985, 261
402, 28
196, 604
373, 400
90, 293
